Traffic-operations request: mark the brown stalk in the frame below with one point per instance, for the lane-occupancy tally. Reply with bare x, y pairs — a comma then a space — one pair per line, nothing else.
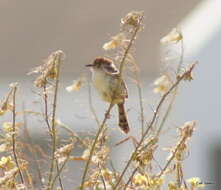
111, 104
59, 170
46, 107
53, 126
149, 126
14, 131
102, 177
140, 94
130, 178
173, 156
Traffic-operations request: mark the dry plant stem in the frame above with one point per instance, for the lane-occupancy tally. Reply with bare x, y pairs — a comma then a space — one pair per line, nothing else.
46, 107
49, 129
53, 128
13, 135
111, 104
141, 106
32, 149
152, 122
178, 173
48, 124
59, 176
140, 98
172, 157
130, 178
29, 179
73, 135
59, 170
102, 178
174, 93
129, 45
93, 148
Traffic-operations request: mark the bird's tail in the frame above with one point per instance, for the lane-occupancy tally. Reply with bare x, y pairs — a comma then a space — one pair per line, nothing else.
123, 123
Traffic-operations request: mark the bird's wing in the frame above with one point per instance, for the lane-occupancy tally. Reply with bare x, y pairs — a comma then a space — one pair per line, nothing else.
110, 69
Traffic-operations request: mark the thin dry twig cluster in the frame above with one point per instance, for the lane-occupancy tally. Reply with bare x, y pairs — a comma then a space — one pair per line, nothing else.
140, 171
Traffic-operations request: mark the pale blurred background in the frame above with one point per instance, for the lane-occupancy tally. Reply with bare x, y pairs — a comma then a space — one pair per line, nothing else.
31, 30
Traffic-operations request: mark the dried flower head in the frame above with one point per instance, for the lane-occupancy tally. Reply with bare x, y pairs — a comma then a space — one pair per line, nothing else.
173, 37
140, 180
63, 153
188, 76
8, 127
76, 85
49, 69
175, 186
118, 40
162, 84
180, 153
195, 183
100, 157
132, 18
147, 182
187, 129
7, 163
6, 104
144, 157
9, 175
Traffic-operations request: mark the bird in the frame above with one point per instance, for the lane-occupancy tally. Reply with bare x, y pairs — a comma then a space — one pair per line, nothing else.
111, 87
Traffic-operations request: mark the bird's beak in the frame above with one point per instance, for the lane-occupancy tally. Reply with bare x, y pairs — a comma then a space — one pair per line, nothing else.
89, 65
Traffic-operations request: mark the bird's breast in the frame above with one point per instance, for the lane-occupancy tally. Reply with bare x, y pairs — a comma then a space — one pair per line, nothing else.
102, 83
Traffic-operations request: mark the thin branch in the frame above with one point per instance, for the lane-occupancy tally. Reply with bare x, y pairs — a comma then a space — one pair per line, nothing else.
130, 178
149, 126
102, 177
53, 125
172, 157
139, 89
59, 171
14, 131
45, 95
111, 104
141, 106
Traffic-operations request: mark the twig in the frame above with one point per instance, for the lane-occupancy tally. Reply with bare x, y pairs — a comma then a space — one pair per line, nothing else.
172, 157
60, 169
53, 125
179, 176
45, 95
152, 121
110, 106
130, 178
140, 94
14, 131
93, 149
102, 178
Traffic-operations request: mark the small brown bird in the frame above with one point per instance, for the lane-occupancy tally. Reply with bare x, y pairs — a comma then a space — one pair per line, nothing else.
105, 77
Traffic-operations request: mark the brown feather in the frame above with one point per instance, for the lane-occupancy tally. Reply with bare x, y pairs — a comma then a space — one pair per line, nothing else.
123, 122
